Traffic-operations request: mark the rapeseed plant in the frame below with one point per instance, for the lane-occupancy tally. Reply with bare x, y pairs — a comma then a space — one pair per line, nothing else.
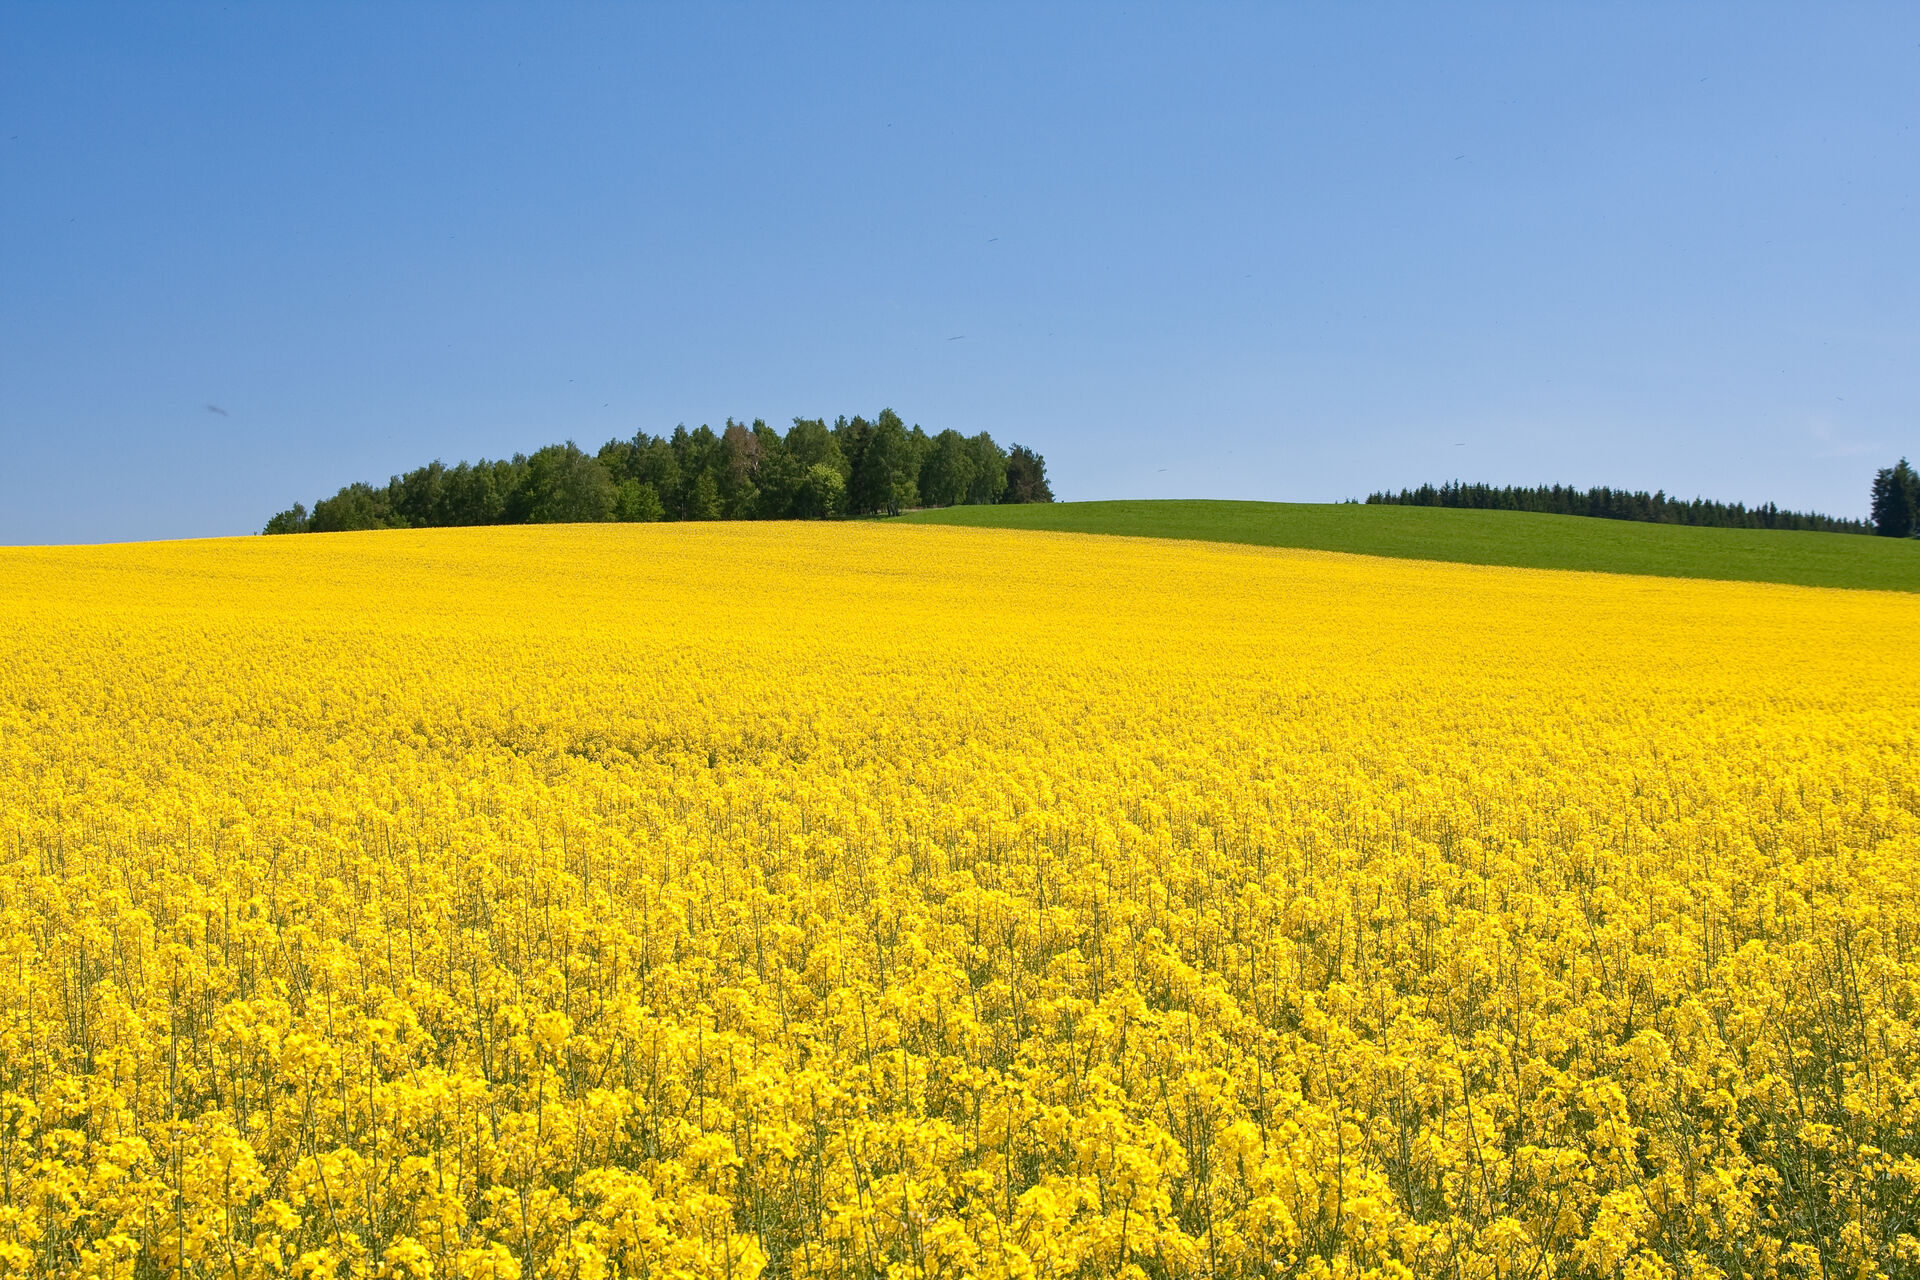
858, 901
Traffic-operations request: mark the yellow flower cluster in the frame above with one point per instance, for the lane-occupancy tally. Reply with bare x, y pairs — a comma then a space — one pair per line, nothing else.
856, 901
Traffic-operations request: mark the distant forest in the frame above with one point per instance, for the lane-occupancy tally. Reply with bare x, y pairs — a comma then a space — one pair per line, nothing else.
742, 472
1617, 504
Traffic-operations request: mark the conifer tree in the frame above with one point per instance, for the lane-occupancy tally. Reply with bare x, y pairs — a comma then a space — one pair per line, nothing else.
1896, 500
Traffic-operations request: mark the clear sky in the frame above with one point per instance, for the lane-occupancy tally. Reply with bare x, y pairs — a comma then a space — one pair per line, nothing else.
251, 253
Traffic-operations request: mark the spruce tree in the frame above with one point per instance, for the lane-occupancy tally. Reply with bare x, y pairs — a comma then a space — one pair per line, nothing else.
1896, 500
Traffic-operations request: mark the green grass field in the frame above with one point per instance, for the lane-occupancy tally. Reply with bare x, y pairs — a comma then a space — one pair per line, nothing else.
1483, 537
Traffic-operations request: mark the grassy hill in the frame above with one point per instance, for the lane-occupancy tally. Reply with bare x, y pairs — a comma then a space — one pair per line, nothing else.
1484, 537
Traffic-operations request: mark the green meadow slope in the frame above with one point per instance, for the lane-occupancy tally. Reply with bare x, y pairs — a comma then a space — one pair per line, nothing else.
1483, 537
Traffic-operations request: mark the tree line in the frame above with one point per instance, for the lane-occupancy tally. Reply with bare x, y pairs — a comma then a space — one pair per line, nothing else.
1622, 504
741, 472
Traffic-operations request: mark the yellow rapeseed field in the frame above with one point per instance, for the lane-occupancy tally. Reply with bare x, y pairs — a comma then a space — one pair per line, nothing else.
856, 900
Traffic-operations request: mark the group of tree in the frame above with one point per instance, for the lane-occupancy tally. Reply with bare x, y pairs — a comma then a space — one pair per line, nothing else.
1625, 504
742, 472
1896, 501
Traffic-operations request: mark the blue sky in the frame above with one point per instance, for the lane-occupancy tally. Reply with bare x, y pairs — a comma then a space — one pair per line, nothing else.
249, 254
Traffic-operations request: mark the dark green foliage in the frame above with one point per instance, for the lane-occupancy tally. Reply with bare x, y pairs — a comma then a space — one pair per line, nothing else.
886, 479
292, 520
358, 506
1026, 477
562, 485
1615, 504
636, 501
1482, 537
850, 437
743, 472
989, 482
703, 499
742, 454
478, 494
810, 442
820, 494
947, 473
1896, 501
